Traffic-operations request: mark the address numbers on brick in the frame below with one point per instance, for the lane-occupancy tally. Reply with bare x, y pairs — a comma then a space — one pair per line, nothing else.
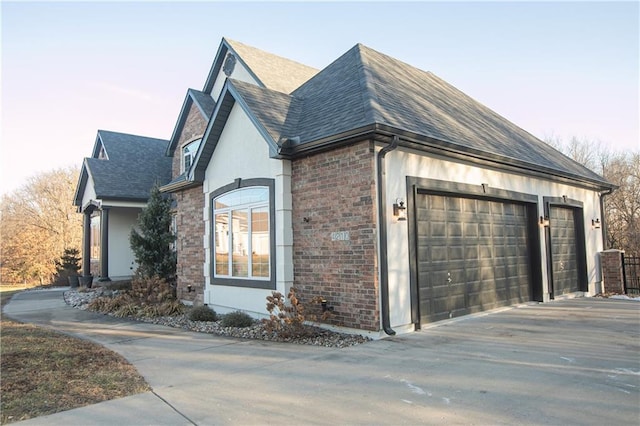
340, 236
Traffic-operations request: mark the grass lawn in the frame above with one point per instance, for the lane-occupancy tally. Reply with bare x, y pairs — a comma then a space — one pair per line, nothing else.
44, 372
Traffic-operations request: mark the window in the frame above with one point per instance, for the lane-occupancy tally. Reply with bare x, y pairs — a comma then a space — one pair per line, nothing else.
95, 238
189, 154
243, 243
102, 155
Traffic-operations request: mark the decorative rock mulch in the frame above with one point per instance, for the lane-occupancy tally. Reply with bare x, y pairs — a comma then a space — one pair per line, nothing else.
318, 337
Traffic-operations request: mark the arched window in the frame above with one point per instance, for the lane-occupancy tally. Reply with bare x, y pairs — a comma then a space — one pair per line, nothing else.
189, 154
242, 235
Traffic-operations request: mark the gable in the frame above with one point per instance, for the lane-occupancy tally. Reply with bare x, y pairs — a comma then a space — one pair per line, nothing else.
240, 152
195, 112
133, 166
245, 63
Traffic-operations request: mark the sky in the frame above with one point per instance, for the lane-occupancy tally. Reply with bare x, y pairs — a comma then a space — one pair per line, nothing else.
556, 69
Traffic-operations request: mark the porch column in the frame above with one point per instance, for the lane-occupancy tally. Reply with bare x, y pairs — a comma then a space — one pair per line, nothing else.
86, 243
104, 245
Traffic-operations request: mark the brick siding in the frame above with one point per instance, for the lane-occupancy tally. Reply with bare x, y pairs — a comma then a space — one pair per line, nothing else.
190, 227
193, 128
189, 221
334, 192
612, 275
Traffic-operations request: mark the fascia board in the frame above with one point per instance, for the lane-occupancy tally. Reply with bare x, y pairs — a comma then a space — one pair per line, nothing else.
182, 118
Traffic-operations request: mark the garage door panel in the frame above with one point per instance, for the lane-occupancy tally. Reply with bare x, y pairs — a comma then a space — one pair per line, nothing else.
564, 263
484, 253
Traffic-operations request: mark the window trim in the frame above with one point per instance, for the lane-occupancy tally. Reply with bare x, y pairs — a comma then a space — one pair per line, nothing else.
269, 284
183, 157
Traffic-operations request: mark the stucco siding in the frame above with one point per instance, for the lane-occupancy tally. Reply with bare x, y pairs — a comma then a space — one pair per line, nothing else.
89, 192
403, 163
242, 153
239, 73
121, 257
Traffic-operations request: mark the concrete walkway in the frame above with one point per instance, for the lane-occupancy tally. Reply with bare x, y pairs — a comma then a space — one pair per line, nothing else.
570, 362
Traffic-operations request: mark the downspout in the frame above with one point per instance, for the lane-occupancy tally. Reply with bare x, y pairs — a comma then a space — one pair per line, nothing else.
382, 223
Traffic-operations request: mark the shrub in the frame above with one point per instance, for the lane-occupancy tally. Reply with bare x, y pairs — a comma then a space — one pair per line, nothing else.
151, 290
128, 310
171, 307
152, 238
118, 285
237, 319
115, 303
203, 313
287, 320
98, 305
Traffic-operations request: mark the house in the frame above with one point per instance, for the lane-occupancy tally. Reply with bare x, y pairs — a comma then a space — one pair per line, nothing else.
378, 186
375, 185
241, 62
113, 188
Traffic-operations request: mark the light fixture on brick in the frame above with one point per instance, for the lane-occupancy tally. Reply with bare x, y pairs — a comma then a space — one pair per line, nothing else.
544, 221
399, 210
595, 223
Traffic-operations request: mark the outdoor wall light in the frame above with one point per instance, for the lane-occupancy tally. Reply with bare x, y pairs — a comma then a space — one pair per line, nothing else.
595, 223
189, 288
399, 209
544, 221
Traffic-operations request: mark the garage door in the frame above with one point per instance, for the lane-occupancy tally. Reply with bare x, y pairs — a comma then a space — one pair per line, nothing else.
564, 252
472, 255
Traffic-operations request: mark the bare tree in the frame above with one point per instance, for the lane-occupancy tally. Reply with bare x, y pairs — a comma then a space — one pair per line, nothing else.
622, 207
37, 222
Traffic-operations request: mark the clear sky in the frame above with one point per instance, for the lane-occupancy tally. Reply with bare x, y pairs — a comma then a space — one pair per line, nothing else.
69, 69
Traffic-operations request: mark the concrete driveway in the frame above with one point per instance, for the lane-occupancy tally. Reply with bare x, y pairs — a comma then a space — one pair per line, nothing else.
569, 362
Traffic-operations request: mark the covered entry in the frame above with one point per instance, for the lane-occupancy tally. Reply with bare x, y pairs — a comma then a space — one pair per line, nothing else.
472, 254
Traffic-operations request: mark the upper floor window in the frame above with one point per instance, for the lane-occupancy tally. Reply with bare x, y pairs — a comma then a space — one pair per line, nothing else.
102, 155
243, 240
189, 154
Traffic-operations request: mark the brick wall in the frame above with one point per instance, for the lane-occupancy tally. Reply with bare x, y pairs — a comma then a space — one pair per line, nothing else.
333, 194
190, 227
189, 221
194, 127
612, 276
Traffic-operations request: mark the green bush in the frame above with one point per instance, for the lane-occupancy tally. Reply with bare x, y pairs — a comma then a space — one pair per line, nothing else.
203, 313
237, 319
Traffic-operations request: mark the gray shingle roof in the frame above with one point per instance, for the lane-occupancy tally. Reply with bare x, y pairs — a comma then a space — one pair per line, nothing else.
205, 105
204, 102
364, 88
275, 72
276, 111
134, 165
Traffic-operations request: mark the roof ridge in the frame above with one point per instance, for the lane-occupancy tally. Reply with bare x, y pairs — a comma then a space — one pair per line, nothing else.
369, 94
103, 131
232, 42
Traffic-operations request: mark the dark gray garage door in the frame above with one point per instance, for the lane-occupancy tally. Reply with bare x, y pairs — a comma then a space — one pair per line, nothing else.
472, 255
564, 253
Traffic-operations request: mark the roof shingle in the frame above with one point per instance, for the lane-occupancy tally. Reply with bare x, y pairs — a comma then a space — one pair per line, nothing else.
134, 165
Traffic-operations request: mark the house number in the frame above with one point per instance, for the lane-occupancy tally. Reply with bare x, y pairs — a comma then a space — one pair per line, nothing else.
340, 236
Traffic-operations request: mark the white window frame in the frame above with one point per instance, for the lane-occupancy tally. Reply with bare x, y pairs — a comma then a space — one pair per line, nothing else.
189, 151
